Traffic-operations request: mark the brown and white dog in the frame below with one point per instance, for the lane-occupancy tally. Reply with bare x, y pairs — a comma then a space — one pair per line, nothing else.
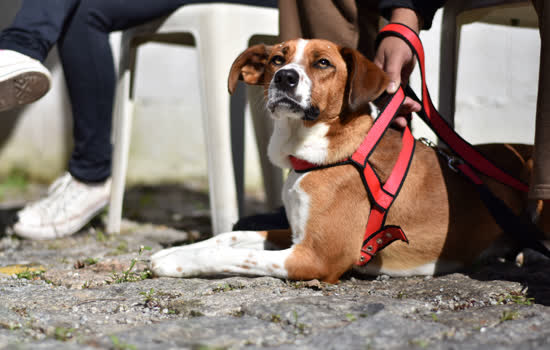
319, 95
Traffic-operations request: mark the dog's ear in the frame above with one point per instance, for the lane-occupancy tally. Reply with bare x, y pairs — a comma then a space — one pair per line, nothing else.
249, 66
365, 80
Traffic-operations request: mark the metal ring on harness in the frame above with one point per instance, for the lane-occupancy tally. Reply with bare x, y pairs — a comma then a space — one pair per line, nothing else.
454, 162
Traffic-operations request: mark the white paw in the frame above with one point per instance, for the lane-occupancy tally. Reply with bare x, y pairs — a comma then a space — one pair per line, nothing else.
173, 262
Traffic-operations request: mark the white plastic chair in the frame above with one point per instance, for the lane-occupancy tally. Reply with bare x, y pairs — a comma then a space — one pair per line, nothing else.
459, 12
220, 32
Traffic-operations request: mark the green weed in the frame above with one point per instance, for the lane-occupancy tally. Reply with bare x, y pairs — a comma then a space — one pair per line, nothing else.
515, 298
508, 316
16, 181
119, 345
63, 334
30, 274
129, 275
351, 317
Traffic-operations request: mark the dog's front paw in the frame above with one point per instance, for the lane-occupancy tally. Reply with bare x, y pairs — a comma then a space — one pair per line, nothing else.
172, 262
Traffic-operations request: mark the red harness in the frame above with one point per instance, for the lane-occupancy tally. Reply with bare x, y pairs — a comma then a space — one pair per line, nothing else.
377, 234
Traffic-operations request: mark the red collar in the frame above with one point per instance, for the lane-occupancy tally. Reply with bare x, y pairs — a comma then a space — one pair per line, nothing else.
301, 164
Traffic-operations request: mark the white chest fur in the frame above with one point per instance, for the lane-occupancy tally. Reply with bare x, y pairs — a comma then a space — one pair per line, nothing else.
297, 203
291, 137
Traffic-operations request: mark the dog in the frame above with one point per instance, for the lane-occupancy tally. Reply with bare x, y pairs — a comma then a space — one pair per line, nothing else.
320, 96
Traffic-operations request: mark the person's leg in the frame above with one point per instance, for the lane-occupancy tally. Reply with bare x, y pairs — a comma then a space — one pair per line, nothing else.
24, 45
88, 65
36, 27
90, 75
540, 182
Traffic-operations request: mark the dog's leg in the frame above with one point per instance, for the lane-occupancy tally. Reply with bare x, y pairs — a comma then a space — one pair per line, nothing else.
221, 260
297, 263
241, 239
239, 252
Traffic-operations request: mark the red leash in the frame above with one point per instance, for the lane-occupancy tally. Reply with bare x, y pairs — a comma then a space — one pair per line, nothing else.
436, 122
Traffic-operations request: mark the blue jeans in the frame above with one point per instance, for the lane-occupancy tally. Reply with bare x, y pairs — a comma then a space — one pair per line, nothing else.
81, 29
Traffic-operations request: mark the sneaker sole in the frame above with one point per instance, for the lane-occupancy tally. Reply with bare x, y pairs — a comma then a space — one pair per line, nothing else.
23, 88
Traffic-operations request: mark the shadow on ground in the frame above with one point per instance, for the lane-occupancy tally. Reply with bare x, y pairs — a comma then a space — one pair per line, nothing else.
532, 275
171, 205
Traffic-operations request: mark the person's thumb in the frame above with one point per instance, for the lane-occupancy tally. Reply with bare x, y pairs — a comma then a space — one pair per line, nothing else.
393, 70
393, 86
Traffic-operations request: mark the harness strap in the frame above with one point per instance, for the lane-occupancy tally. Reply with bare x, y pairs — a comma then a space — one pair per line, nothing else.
377, 235
379, 128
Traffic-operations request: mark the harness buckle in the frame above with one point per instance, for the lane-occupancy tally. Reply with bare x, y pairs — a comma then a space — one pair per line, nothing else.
428, 143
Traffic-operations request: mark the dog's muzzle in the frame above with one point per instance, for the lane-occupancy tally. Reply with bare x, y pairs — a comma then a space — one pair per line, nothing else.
283, 92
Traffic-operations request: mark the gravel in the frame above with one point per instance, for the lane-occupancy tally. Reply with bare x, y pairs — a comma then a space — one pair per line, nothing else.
80, 293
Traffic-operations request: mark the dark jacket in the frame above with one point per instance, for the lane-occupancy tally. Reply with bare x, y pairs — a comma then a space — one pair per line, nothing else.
425, 8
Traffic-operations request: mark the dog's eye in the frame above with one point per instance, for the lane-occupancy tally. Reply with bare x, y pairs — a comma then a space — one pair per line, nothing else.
277, 60
323, 63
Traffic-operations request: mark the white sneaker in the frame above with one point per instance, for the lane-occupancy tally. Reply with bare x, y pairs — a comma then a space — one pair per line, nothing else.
22, 79
69, 205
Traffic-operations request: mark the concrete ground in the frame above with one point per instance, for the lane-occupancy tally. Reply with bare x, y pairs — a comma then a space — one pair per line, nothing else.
93, 291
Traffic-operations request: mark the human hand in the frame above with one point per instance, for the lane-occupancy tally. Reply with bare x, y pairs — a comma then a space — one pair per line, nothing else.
396, 59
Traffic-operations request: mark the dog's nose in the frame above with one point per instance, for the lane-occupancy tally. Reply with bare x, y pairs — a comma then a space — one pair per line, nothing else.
286, 79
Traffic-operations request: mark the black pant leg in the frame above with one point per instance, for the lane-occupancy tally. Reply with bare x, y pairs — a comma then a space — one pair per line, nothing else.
37, 26
90, 75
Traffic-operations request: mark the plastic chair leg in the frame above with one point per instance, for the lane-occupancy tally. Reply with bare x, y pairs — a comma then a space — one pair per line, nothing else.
448, 64
237, 111
122, 132
216, 120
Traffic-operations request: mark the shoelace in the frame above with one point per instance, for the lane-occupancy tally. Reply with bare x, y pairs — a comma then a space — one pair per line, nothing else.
61, 195
63, 181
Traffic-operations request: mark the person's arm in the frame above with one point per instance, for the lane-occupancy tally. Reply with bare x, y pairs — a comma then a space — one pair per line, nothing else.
393, 55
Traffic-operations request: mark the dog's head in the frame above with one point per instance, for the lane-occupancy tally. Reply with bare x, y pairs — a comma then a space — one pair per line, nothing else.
313, 80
